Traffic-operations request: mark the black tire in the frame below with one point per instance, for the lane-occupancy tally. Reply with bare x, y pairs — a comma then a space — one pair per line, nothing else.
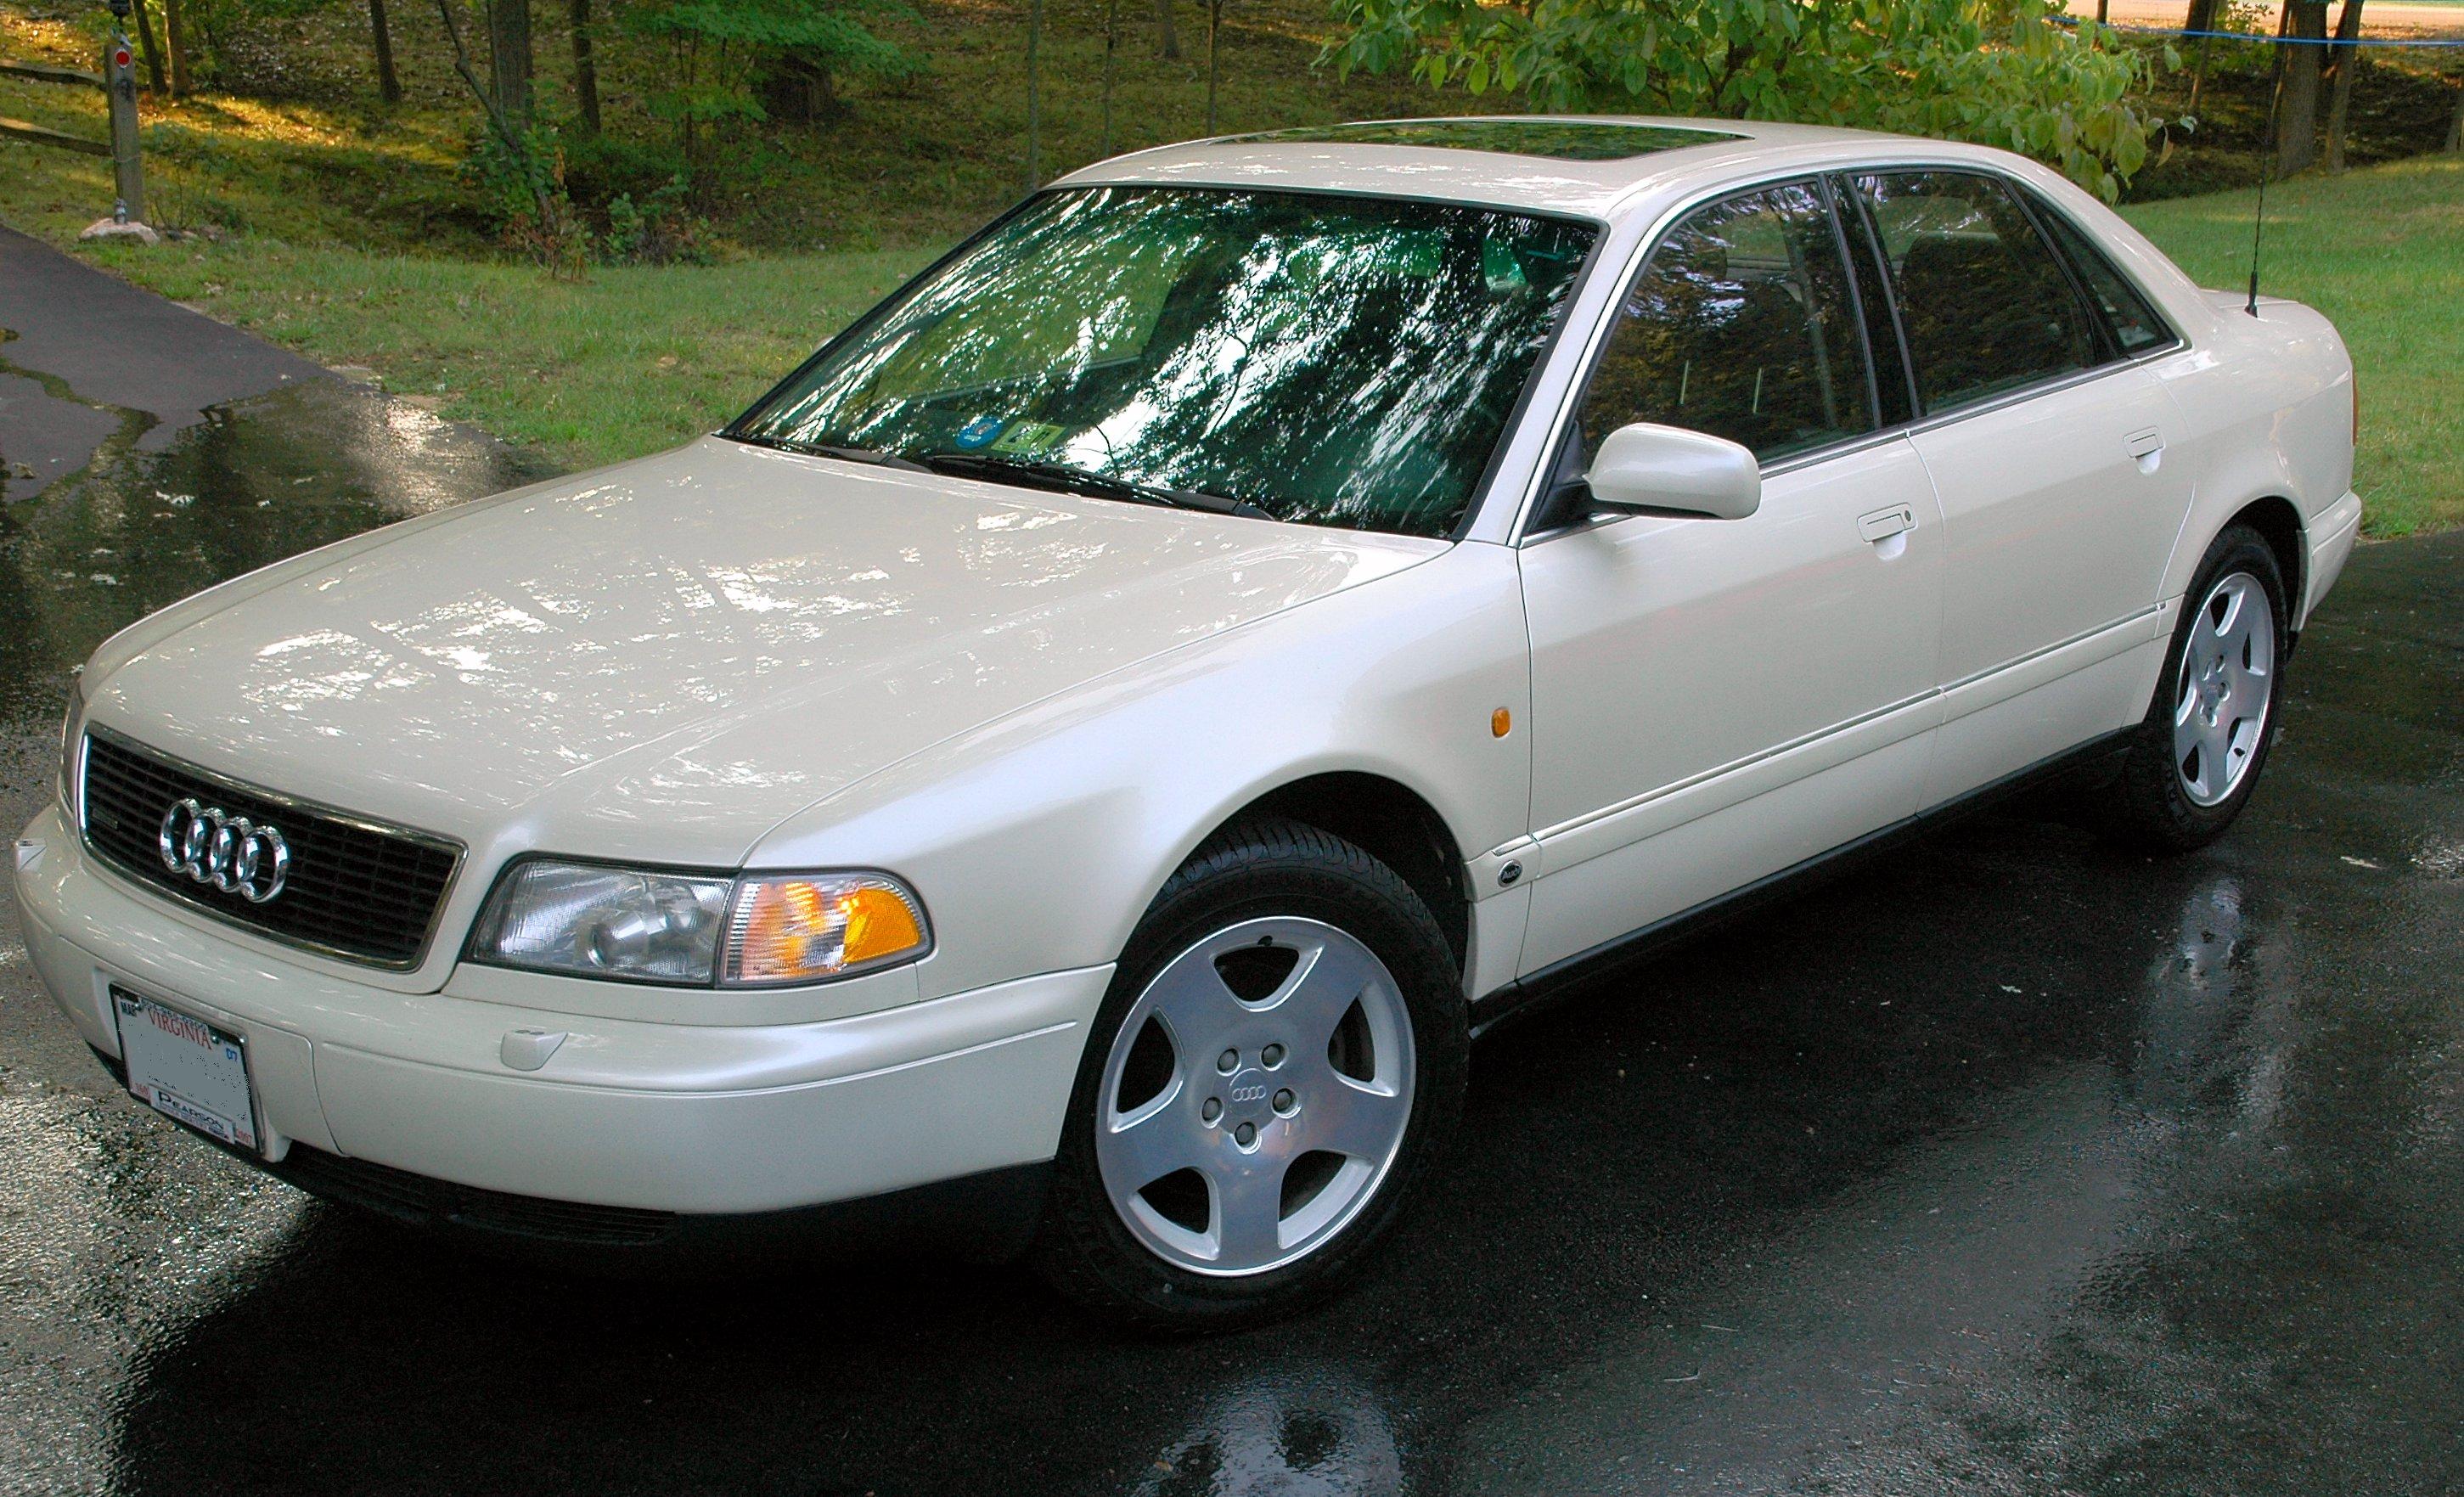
2149, 807
1260, 870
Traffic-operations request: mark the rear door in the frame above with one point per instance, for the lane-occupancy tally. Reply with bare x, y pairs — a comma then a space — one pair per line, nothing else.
1715, 699
2047, 444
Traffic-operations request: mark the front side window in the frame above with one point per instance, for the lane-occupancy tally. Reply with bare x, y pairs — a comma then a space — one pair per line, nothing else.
1986, 306
1335, 361
1741, 324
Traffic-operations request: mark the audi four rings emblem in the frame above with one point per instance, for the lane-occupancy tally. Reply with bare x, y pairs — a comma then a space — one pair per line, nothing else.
229, 853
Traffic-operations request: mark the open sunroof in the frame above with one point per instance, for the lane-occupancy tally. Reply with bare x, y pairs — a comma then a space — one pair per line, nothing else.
1564, 140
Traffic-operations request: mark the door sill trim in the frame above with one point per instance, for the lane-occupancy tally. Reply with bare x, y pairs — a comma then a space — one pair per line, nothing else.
1535, 990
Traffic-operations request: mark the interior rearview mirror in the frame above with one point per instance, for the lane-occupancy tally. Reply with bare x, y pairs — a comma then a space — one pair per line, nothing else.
1653, 469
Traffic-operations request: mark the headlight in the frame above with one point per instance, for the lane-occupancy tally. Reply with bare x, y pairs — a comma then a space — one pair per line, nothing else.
69, 730
695, 930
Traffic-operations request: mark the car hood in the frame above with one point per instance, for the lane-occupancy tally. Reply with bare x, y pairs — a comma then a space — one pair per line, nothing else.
663, 659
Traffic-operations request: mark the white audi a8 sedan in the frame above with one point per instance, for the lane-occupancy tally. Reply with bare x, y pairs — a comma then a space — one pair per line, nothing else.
1071, 768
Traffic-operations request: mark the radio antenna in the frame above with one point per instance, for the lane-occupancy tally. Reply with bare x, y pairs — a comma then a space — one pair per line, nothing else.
2267, 159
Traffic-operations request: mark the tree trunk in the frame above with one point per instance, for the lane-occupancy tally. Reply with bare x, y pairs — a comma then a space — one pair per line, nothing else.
153, 58
389, 85
1167, 40
585, 67
1214, 25
2455, 125
2103, 11
1111, 42
2297, 138
1034, 113
2348, 61
2202, 16
509, 58
175, 41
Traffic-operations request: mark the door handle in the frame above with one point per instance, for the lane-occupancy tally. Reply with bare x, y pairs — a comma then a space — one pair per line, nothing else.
2145, 445
1882, 524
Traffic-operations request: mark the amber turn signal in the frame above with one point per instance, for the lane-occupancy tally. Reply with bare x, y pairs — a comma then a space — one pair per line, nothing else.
1500, 723
808, 928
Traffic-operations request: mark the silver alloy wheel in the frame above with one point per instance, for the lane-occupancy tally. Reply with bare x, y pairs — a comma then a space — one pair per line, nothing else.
1259, 1126
2226, 688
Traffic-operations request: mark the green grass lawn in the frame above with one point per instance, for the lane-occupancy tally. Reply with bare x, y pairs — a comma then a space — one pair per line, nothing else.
635, 360
632, 360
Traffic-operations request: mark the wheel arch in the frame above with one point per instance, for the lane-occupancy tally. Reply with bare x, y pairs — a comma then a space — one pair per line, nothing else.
1386, 819
2279, 524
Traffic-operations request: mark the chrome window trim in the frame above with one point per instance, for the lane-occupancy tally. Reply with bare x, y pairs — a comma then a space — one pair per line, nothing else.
1535, 487
352, 819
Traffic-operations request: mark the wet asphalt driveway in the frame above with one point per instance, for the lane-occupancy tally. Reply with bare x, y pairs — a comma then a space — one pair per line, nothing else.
2011, 1164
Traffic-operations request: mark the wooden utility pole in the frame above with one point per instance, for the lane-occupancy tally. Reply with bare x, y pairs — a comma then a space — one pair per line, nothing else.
119, 83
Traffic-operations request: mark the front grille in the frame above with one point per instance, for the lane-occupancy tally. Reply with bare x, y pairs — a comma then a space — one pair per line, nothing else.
425, 1201
359, 892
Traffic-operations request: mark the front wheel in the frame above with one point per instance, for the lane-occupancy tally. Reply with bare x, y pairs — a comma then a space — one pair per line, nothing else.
1281, 1053
2207, 732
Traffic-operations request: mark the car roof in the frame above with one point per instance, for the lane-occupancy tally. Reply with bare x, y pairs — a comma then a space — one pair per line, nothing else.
1593, 165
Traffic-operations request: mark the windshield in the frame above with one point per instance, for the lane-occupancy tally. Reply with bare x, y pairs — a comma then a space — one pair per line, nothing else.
1333, 360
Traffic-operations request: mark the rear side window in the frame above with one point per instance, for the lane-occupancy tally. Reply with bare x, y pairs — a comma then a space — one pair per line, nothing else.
2135, 326
1741, 325
1986, 306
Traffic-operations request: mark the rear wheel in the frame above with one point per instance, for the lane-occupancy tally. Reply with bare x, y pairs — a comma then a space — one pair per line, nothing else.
1280, 1055
2207, 735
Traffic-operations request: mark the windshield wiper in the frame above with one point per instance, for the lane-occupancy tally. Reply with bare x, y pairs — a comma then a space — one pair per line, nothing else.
1081, 480
871, 456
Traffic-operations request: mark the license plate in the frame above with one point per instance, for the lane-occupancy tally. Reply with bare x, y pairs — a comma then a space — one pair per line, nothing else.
186, 1068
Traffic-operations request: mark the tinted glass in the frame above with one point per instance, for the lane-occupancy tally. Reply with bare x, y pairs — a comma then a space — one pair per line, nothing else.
1892, 386
1343, 361
1740, 326
2135, 326
1985, 305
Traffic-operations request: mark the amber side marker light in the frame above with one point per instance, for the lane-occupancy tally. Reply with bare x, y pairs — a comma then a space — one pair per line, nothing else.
1500, 723
805, 928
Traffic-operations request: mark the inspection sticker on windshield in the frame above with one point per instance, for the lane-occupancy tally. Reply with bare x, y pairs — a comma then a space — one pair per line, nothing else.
1030, 436
183, 1067
979, 432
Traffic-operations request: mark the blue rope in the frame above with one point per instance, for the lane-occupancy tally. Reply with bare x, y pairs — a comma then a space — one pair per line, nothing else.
2269, 42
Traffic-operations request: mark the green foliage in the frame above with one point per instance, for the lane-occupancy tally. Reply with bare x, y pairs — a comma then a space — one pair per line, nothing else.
717, 48
658, 230
524, 188
1998, 72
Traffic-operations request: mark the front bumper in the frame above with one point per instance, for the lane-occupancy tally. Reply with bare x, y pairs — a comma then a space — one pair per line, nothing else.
693, 1119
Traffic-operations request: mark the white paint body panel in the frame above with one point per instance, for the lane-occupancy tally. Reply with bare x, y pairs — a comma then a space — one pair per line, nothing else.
1032, 707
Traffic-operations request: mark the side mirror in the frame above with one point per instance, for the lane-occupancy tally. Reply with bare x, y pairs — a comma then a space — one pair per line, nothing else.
1654, 470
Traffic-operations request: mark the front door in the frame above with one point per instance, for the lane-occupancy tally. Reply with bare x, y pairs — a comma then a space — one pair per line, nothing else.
1714, 701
